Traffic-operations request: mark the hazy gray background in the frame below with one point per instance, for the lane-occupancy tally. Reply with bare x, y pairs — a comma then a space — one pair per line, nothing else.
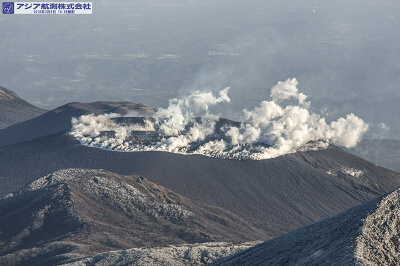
344, 53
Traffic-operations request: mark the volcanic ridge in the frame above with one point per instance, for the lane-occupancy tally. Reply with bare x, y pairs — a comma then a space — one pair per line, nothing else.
173, 205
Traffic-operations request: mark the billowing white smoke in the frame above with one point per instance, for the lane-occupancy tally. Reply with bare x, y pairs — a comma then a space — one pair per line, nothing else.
280, 126
88, 128
286, 128
180, 113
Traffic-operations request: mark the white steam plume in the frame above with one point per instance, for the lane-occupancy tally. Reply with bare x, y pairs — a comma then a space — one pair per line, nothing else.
272, 129
180, 112
286, 90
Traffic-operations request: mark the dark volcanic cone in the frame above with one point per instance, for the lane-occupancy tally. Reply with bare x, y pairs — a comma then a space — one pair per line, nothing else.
276, 195
59, 120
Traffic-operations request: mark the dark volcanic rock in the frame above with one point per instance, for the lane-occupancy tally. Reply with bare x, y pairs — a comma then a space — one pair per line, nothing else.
177, 255
59, 120
364, 235
77, 212
14, 110
276, 195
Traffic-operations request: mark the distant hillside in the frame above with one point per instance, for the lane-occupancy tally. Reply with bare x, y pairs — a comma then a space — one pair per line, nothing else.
383, 152
14, 110
78, 212
59, 120
365, 235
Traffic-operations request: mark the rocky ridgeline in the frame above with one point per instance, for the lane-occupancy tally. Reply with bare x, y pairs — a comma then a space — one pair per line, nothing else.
26, 214
378, 243
7, 95
14, 110
126, 198
364, 235
197, 254
76, 213
45, 212
98, 184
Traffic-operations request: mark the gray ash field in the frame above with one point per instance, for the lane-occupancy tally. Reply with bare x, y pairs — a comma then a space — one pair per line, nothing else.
76, 204
276, 195
75, 212
365, 235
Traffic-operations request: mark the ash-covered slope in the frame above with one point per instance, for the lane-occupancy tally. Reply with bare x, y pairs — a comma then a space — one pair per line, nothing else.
182, 255
365, 235
74, 213
276, 195
59, 120
14, 110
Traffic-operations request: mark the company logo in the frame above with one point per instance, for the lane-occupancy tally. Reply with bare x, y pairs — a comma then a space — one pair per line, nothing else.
8, 7
69, 8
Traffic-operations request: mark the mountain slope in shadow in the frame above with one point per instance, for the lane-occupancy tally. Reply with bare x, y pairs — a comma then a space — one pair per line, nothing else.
276, 195
14, 110
79, 212
59, 120
364, 235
